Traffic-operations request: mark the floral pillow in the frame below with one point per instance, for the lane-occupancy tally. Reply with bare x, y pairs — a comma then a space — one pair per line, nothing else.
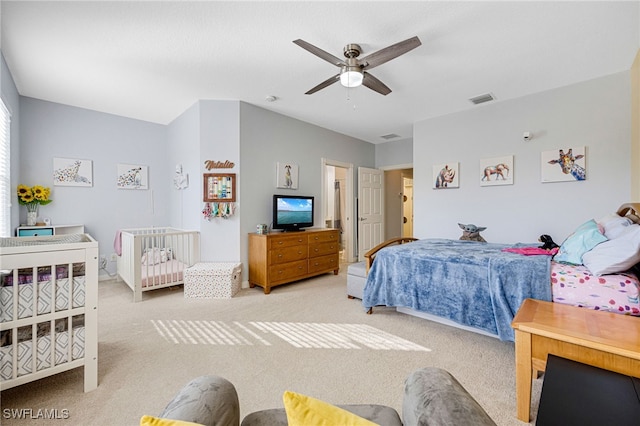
585, 237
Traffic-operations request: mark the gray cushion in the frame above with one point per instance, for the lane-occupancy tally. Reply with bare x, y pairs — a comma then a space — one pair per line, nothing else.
358, 269
206, 400
380, 414
356, 279
432, 396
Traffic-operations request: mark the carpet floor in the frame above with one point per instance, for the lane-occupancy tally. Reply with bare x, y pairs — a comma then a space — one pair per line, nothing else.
307, 337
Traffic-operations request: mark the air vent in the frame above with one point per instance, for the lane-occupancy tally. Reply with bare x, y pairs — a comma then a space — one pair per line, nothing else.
487, 97
390, 136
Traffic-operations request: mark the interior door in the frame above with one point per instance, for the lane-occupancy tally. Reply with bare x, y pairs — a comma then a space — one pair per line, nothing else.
370, 209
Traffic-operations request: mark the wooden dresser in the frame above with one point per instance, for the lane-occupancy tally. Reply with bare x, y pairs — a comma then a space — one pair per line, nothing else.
283, 257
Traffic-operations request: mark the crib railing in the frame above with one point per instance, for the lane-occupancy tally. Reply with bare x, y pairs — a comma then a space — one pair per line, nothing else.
156, 257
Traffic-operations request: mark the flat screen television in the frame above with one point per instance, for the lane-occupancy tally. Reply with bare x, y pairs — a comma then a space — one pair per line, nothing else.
292, 212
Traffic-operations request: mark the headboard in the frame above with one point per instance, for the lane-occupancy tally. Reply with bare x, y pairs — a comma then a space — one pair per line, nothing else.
630, 210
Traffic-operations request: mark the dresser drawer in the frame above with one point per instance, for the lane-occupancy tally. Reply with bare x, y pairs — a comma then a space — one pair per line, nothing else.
287, 271
321, 249
323, 237
288, 254
34, 232
323, 263
287, 241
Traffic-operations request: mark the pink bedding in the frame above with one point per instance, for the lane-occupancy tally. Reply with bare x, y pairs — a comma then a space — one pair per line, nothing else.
575, 285
163, 273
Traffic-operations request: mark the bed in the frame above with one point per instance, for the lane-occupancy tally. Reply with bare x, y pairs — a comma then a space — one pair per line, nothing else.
480, 286
48, 308
153, 258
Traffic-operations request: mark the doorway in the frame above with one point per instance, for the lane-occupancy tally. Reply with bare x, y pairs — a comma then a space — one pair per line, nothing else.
398, 203
407, 206
337, 203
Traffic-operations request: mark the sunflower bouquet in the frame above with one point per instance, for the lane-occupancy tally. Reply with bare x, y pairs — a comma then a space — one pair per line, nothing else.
33, 197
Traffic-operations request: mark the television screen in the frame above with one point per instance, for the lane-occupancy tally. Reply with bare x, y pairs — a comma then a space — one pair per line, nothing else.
292, 212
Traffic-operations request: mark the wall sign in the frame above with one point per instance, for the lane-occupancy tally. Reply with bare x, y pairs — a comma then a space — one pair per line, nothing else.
210, 164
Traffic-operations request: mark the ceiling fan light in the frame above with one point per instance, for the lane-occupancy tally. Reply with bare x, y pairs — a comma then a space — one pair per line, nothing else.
350, 78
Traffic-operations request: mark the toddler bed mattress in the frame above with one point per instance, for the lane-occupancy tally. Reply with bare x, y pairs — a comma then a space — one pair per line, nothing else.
575, 285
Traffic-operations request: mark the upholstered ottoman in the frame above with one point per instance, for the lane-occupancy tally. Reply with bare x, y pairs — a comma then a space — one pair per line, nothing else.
356, 278
212, 280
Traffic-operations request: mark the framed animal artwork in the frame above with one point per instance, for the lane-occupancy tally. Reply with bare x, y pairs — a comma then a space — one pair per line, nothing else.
496, 171
72, 172
133, 176
445, 176
564, 165
287, 175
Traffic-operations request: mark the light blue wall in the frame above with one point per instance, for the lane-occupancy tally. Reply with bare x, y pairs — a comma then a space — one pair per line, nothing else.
51, 130
267, 138
183, 136
594, 114
220, 141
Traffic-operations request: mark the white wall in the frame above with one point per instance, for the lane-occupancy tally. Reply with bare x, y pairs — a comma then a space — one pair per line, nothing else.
595, 114
394, 153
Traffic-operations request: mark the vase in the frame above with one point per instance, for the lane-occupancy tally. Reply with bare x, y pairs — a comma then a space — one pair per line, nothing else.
32, 215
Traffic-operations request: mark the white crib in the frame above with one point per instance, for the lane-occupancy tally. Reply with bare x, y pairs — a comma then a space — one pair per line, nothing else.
48, 308
153, 258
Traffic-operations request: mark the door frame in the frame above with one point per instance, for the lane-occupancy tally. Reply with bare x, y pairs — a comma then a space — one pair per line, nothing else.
349, 197
399, 167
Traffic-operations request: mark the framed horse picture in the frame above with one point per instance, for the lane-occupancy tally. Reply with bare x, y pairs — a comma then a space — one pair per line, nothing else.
496, 171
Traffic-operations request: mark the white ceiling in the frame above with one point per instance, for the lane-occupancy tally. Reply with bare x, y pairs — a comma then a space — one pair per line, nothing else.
153, 60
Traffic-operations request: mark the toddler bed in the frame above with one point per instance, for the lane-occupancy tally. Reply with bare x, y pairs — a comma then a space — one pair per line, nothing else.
48, 320
153, 258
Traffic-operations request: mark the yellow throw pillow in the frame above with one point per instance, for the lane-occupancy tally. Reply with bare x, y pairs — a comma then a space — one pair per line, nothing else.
156, 421
304, 410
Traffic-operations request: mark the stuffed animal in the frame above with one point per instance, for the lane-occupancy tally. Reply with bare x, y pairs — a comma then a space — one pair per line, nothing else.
471, 232
548, 242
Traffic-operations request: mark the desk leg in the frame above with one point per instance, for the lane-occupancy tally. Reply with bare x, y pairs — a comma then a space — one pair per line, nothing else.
524, 371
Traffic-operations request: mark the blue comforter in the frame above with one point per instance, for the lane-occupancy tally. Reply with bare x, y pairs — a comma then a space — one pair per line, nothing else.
471, 283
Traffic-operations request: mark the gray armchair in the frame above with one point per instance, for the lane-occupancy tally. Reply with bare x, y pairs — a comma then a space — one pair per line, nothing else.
431, 397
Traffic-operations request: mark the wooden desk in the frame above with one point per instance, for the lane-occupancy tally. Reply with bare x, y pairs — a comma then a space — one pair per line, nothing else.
602, 339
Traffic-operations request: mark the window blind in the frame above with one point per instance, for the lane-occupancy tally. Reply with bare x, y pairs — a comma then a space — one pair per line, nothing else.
5, 175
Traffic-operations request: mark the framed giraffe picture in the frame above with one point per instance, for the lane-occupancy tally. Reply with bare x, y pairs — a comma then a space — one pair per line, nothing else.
133, 176
72, 172
564, 165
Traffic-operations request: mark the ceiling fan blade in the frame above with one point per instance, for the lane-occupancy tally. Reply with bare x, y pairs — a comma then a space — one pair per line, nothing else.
389, 53
327, 82
320, 53
374, 84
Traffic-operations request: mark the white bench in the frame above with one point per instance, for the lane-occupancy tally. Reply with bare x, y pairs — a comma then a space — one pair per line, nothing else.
356, 279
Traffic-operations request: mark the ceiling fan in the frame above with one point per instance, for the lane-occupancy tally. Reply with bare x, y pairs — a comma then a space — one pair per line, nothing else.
353, 71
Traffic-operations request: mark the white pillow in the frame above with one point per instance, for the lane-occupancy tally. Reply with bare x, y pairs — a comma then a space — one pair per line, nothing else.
617, 255
156, 255
614, 225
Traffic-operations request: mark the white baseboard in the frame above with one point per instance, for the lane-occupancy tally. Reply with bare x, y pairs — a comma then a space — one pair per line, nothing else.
444, 321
